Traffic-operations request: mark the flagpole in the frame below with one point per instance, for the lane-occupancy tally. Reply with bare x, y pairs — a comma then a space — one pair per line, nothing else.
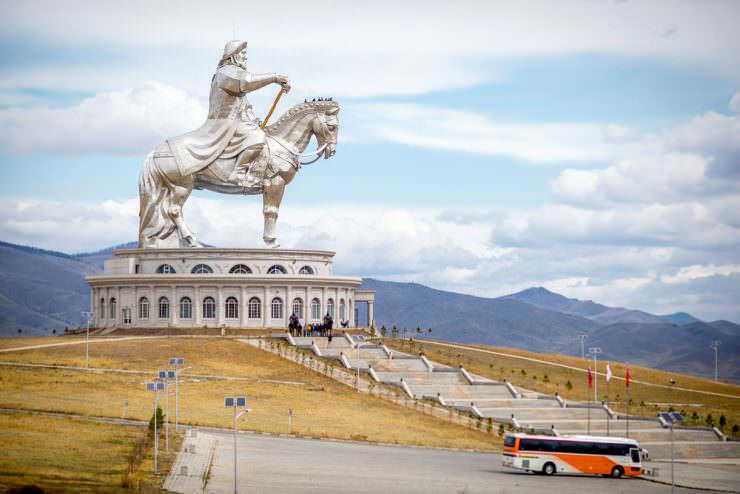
588, 428
607, 406
627, 379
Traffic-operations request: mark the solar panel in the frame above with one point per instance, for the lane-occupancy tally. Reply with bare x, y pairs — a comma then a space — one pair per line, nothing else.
677, 417
180, 361
163, 374
150, 386
229, 401
170, 374
241, 401
172, 361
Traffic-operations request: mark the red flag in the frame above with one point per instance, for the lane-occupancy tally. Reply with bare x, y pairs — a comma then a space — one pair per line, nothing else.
590, 378
627, 377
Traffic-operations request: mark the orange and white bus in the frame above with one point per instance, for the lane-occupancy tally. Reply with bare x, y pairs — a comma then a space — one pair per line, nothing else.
608, 456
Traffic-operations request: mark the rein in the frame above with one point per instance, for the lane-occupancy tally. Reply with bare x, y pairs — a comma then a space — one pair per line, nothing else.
317, 152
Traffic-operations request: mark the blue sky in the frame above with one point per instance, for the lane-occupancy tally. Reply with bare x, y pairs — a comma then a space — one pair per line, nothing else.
590, 147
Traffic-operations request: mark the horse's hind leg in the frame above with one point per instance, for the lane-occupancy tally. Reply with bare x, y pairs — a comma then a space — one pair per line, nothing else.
272, 196
181, 192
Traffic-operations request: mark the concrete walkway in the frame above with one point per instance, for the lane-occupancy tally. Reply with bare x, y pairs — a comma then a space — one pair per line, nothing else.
190, 470
721, 474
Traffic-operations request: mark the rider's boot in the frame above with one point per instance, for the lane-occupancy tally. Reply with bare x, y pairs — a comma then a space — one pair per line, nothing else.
244, 173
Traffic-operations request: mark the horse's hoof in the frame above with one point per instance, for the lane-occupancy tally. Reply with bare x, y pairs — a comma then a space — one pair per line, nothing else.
194, 243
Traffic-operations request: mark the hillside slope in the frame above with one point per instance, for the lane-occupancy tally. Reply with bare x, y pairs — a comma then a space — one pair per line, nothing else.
41, 290
469, 319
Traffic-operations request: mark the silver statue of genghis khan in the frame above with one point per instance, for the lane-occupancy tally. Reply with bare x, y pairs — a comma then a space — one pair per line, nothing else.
231, 154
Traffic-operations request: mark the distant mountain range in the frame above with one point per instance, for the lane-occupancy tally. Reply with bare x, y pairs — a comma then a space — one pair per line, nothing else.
43, 290
539, 320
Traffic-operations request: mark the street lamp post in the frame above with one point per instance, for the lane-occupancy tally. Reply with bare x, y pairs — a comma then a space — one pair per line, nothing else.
88, 316
235, 402
672, 418
595, 351
177, 362
715, 346
155, 386
582, 337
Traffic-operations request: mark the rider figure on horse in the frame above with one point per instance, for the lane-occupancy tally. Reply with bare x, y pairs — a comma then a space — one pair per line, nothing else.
231, 131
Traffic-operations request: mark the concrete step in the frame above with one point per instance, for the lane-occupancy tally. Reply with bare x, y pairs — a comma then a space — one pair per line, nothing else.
322, 341
421, 377
692, 449
398, 365
541, 414
460, 391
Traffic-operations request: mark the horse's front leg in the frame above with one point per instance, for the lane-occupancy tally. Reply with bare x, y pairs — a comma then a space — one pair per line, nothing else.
272, 196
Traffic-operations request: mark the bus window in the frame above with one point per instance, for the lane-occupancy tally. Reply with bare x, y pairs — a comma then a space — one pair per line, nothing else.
509, 441
635, 455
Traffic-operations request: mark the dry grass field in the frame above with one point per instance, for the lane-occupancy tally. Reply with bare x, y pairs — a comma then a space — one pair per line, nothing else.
321, 407
650, 389
69, 455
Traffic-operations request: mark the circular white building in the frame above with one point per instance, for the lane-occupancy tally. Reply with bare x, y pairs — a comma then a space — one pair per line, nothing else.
212, 287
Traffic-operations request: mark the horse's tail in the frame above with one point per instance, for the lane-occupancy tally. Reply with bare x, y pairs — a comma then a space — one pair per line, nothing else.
155, 195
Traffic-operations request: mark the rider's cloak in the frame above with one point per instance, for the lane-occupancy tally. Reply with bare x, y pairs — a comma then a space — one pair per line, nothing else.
230, 128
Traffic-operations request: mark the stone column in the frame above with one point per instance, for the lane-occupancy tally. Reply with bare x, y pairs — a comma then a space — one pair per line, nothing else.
175, 306
288, 304
243, 307
197, 307
220, 306
370, 313
265, 307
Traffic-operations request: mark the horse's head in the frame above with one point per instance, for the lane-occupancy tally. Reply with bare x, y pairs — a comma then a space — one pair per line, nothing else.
326, 127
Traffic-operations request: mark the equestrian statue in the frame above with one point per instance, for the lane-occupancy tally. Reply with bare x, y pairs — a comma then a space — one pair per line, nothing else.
231, 153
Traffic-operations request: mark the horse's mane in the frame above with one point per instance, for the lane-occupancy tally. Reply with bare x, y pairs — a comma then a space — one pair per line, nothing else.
300, 109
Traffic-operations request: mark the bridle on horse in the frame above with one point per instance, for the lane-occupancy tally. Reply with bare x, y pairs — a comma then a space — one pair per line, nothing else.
317, 152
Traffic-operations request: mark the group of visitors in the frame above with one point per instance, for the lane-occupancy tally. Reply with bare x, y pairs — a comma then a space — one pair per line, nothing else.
310, 329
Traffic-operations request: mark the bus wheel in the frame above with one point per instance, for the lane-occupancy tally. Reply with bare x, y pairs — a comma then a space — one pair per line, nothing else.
549, 469
617, 472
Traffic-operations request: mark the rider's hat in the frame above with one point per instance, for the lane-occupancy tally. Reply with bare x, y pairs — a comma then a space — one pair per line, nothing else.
233, 47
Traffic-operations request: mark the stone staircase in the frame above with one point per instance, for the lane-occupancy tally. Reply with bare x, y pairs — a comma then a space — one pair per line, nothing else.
503, 403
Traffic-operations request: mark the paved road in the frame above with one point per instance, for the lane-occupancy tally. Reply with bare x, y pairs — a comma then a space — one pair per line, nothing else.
276, 464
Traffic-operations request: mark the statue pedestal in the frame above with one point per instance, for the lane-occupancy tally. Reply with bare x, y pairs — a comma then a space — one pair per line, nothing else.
213, 287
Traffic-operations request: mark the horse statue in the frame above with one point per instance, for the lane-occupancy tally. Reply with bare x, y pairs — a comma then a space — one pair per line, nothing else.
163, 188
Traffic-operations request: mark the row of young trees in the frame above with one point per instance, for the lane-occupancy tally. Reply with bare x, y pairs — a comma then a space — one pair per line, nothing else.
395, 332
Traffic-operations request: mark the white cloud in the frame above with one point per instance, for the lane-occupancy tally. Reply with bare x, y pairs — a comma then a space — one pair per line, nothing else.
696, 271
369, 49
454, 130
126, 122
422, 245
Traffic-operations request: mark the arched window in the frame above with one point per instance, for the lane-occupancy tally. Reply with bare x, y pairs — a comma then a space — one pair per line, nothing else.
330, 307
255, 308
298, 307
315, 309
186, 308
342, 309
276, 269
112, 308
232, 308
277, 308
209, 308
306, 270
240, 269
166, 269
101, 309
164, 308
143, 308
201, 269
